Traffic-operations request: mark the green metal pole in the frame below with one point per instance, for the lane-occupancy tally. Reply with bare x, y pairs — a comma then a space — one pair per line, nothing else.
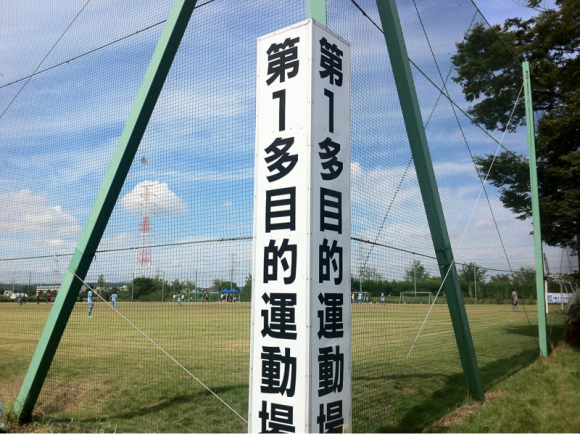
316, 9
394, 38
475, 282
104, 203
535, 212
578, 250
163, 289
415, 278
132, 287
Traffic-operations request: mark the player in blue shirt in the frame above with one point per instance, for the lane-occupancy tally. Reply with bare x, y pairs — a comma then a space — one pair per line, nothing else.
20, 298
114, 300
179, 299
90, 300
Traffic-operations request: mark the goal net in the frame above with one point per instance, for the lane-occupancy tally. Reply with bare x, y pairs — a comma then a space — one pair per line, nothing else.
360, 297
416, 297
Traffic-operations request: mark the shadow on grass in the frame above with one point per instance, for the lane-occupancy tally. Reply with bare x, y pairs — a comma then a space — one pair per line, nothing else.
450, 395
200, 396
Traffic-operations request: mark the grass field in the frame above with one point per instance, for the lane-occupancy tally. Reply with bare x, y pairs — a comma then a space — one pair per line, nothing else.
108, 377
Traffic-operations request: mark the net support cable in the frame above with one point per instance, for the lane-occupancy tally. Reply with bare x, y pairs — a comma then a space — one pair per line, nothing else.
104, 204
411, 111
447, 94
445, 277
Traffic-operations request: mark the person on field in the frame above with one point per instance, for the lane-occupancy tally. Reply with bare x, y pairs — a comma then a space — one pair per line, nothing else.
179, 299
515, 301
114, 300
37, 297
48, 297
24, 298
382, 298
359, 297
90, 301
20, 298
352, 298
207, 297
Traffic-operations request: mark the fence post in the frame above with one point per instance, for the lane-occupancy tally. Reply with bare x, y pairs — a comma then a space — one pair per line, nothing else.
104, 203
475, 281
426, 176
535, 211
316, 9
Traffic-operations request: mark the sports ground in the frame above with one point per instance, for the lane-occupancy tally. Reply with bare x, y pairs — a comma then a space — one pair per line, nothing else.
108, 376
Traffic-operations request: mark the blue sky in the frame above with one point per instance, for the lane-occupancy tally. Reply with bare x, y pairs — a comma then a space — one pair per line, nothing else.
59, 134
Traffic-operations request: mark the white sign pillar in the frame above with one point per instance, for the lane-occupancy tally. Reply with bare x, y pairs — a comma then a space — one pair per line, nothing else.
300, 362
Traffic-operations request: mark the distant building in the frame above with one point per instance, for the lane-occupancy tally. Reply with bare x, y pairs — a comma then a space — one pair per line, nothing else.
46, 288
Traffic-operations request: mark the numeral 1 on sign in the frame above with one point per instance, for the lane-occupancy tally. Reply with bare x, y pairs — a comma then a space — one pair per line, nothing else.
330, 96
281, 94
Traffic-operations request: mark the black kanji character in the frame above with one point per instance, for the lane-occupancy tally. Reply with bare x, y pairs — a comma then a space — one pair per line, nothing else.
327, 255
330, 210
281, 209
330, 370
280, 418
331, 325
330, 150
280, 319
271, 256
282, 57
331, 62
282, 161
273, 363
332, 421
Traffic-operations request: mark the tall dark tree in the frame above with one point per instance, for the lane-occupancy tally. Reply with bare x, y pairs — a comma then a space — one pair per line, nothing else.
472, 271
492, 78
416, 272
246, 292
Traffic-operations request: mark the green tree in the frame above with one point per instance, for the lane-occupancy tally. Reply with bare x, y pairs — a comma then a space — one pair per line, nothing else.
501, 278
472, 271
246, 292
369, 273
176, 287
219, 284
146, 288
492, 79
416, 272
101, 283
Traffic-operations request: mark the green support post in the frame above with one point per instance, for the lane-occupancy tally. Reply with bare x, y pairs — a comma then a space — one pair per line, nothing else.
426, 176
104, 203
475, 282
578, 251
535, 211
316, 9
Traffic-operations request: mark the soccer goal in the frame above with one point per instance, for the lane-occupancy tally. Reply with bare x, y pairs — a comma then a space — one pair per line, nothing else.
364, 297
416, 297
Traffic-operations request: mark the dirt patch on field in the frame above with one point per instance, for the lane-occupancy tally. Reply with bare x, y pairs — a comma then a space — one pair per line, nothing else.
66, 397
461, 414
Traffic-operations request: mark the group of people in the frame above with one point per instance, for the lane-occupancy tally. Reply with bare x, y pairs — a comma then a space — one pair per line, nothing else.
23, 296
91, 300
179, 298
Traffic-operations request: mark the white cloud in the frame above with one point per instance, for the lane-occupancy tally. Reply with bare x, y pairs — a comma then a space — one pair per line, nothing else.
162, 201
25, 212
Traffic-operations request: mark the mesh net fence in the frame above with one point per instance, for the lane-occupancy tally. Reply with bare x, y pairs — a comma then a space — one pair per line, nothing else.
174, 353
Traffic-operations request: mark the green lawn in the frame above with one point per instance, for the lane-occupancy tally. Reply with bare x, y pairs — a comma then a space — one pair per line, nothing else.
107, 376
